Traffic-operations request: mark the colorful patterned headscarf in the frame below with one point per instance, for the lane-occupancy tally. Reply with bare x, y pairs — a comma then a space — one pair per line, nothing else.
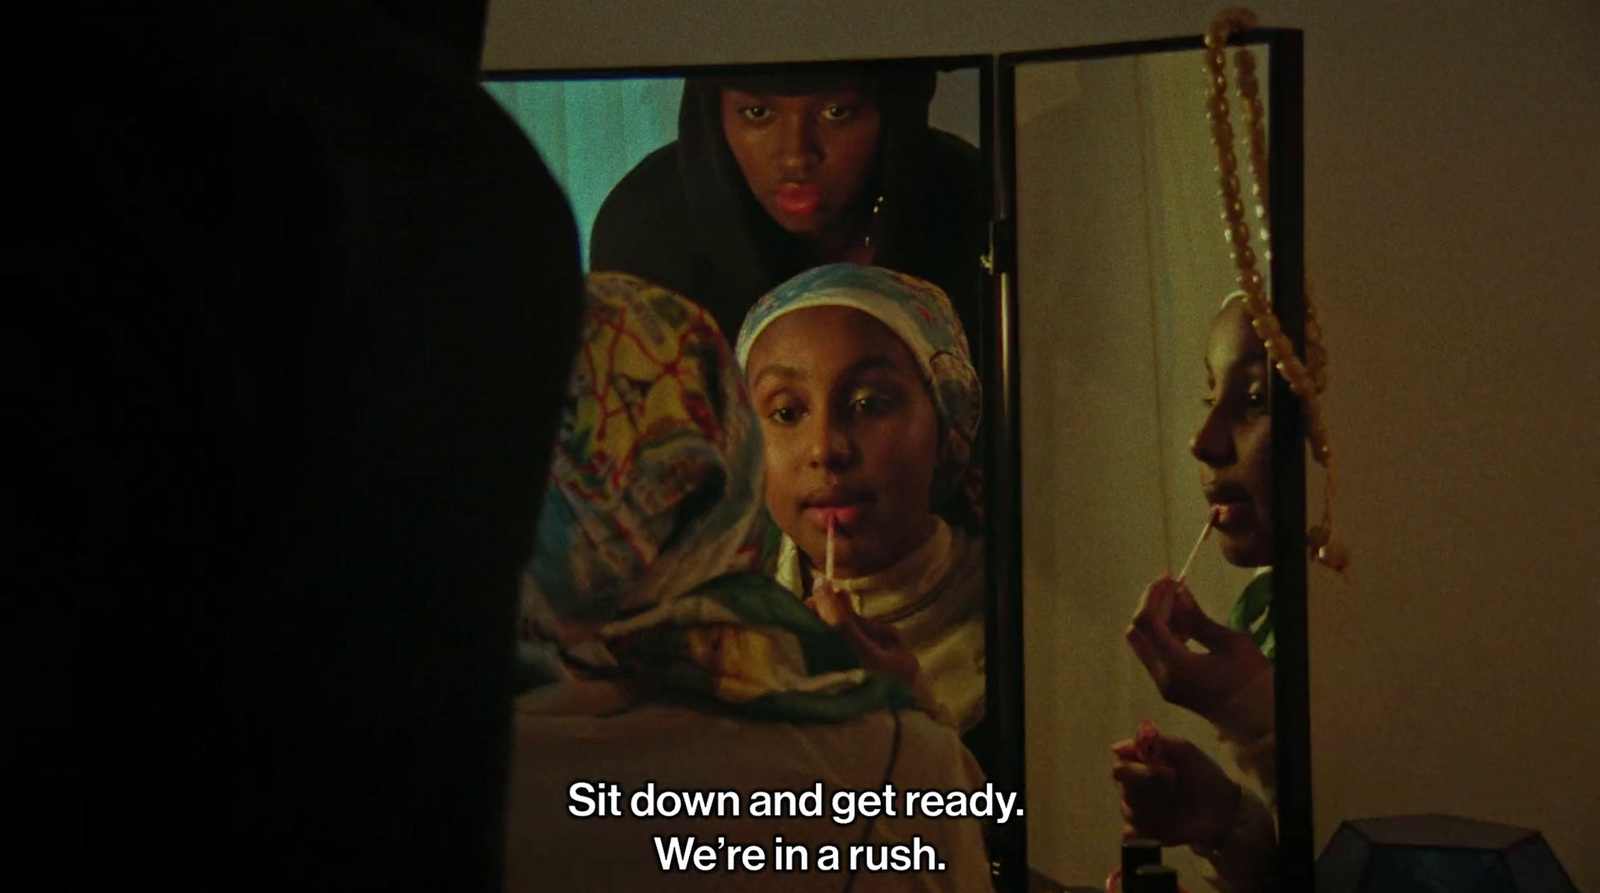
652, 520
921, 315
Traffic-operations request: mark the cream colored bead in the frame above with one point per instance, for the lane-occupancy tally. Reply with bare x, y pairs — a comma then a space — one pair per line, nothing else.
1334, 555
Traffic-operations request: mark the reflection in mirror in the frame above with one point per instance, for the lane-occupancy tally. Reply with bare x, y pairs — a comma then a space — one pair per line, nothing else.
831, 226
722, 187
687, 691
706, 549
1144, 429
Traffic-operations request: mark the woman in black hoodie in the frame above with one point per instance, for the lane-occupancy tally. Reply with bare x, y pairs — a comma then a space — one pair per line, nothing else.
773, 175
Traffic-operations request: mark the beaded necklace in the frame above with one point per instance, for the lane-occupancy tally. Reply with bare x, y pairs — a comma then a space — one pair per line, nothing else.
1307, 379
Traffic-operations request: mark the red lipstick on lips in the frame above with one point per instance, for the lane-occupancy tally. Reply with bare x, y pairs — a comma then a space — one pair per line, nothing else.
843, 516
799, 199
844, 507
1229, 502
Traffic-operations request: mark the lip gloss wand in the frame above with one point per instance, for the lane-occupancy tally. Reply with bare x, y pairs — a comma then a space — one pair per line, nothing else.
1211, 521
827, 564
1164, 607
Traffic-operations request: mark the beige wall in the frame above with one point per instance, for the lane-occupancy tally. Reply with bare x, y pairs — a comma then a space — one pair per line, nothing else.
1454, 219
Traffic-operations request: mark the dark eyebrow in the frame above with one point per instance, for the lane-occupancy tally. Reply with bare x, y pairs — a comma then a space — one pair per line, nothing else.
870, 363
1249, 366
773, 370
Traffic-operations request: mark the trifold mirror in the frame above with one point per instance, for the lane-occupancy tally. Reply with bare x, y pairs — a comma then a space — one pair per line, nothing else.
1067, 204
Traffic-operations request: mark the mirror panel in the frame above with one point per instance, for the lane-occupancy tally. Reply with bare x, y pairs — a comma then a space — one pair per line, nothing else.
1122, 269
662, 188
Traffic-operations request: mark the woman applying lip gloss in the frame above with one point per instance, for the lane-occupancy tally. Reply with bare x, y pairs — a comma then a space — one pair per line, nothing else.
869, 406
660, 658
1190, 800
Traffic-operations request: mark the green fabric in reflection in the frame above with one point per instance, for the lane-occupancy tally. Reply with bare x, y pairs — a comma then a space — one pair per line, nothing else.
591, 133
1252, 613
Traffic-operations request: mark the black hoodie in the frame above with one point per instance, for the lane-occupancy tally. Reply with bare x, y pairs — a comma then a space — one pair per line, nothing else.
685, 219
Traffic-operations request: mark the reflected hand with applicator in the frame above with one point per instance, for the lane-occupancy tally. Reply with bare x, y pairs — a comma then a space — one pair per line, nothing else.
878, 645
1167, 619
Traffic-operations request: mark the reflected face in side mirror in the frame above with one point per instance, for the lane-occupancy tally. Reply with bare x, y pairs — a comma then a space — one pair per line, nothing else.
1234, 442
849, 430
807, 159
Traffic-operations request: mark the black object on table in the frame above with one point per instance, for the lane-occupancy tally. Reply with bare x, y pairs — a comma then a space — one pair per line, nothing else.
1438, 854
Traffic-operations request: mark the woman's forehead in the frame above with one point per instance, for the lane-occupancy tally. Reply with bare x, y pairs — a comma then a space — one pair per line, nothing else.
793, 85
1233, 339
833, 337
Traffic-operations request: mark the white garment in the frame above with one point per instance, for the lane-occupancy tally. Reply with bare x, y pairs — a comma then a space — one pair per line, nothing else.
934, 597
559, 741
